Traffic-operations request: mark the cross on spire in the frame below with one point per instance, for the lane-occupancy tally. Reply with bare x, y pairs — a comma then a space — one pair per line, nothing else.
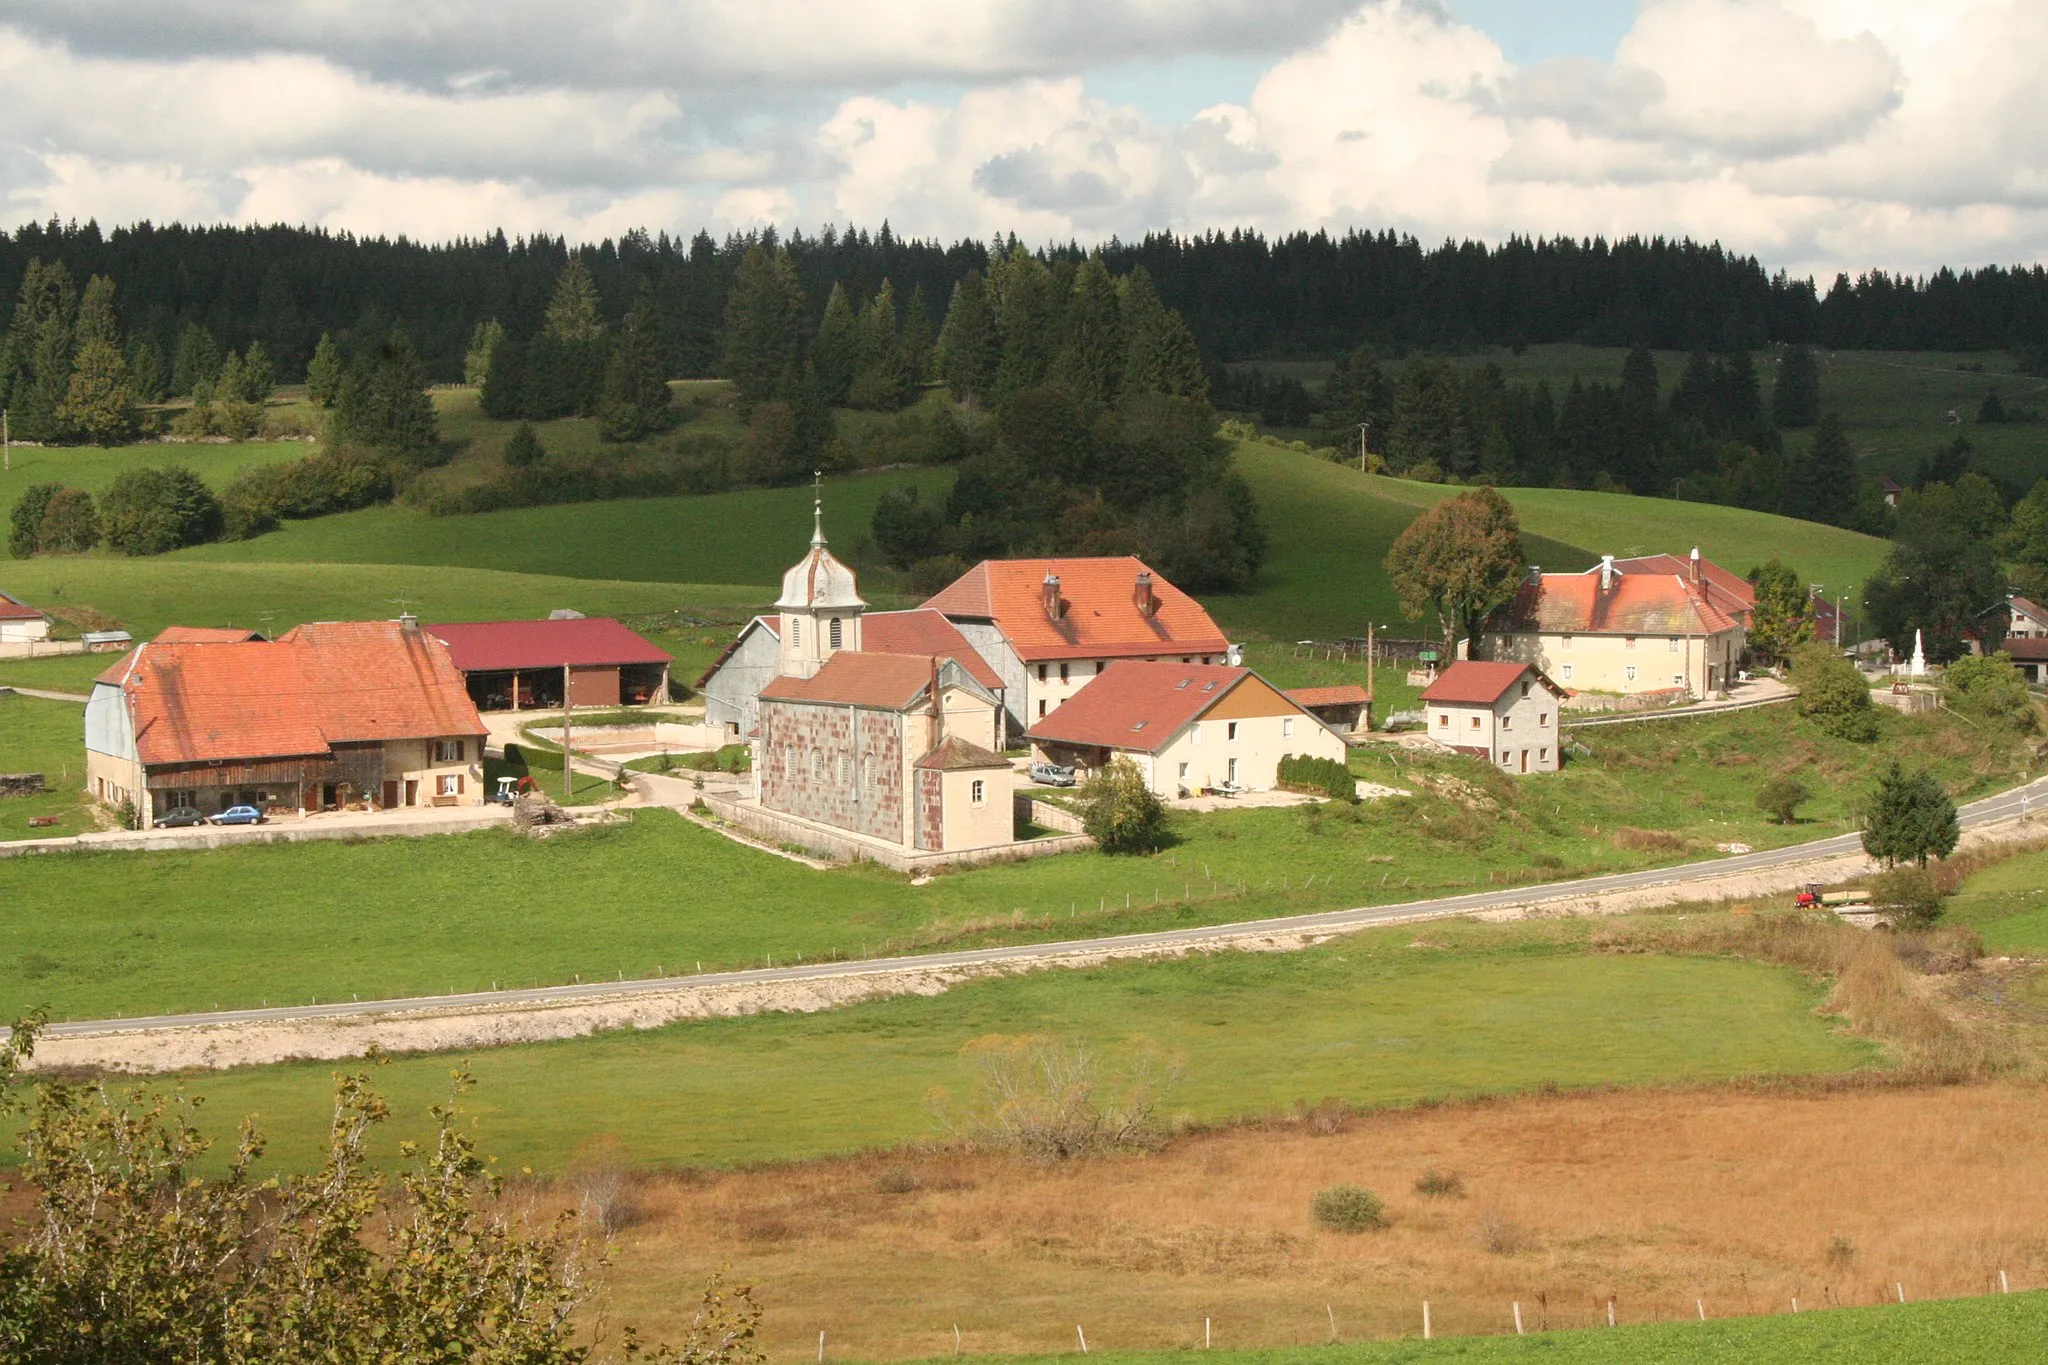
817, 507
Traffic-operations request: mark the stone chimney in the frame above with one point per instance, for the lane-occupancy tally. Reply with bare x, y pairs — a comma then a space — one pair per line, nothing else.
1536, 575
408, 623
1050, 591
1695, 565
1148, 604
1606, 573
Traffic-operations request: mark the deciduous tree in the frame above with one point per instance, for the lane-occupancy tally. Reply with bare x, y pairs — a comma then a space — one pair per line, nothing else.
1833, 694
1120, 812
1460, 560
1784, 615
151, 509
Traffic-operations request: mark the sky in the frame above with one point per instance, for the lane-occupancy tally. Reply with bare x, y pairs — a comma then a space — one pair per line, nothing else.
1817, 135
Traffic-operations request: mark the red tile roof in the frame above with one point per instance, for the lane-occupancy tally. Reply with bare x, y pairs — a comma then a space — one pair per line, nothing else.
1634, 604
886, 682
13, 609
1727, 590
580, 642
2019, 603
1138, 705
315, 686
1349, 694
1471, 682
2026, 649
1101, 619
204, 635
954, 754
924, 631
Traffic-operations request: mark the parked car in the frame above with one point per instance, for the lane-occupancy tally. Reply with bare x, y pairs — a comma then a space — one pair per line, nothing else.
238, 815
180, 817
1052, 775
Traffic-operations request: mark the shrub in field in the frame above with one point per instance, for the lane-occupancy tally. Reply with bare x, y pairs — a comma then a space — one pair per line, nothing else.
1781, 797
1908, 897
1500, 1235
337, 480
604, 1193
1120, 812
1988, 687
1833, 693
897, 1180
1348, 1208
147, 511
1051, 1100
24, 522
1323, 776
1440, 1184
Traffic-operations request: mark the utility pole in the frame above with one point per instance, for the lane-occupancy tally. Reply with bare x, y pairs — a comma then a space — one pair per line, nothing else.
6, 444
1368, 668
1841, 605
1363, 427
568, 754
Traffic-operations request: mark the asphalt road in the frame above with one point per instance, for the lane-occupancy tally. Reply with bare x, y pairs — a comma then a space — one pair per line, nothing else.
2005, 805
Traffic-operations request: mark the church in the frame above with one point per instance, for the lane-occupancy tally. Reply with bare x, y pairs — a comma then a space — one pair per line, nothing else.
886, 753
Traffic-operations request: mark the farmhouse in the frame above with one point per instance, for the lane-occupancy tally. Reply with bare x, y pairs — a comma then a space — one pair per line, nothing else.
1604, 630
327, 714
1049, 626
1189, 727
21, 624
1505, 713
732, 685
1345, 709
518, 665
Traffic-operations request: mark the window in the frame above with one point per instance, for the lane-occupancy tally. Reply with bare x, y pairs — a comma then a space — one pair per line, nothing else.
1629, 672
1183, 772
1442, 720
448, 784
1195, 734
1041, 707
1567, 672
1041, 678
1230, 772
447, 751
845, 770
1628, 642
1565, 642
796, 633
1525, 689
1287, 727
818, 764
1678, 679
1671, 646
978, 793
835, 635
1507, 722
1543, 755
1542, 719
1230, 729
1063, 672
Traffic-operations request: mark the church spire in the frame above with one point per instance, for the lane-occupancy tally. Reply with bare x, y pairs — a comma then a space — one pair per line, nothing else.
817, 508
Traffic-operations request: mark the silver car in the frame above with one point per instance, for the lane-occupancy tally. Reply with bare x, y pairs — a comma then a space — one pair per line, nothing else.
1051, 775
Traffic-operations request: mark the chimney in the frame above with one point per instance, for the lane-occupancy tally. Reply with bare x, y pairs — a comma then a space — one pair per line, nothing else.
1142, 595
1536, 575
408, 623
1606, 573
1051, 594
1695, 565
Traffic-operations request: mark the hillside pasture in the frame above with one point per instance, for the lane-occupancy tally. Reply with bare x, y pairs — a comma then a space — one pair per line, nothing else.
93, 468
41, 736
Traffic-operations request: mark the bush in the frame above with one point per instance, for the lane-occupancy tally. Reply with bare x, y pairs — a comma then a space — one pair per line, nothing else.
1908, 897
1348, 1208
1051, 1101
71, 524
1781, 798
25, 522
1440, 1184
1120, 812
1833, 694
147, 511
1303, 773
334, 481
524, 449
1988, 687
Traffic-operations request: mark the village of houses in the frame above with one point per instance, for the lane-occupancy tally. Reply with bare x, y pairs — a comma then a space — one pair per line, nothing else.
937, 735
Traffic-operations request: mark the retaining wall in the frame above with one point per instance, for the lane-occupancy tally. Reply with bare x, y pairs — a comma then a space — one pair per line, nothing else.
846, 846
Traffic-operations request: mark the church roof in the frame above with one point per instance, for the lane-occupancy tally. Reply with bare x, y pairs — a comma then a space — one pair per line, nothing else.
954, 754
887, 682
818, 581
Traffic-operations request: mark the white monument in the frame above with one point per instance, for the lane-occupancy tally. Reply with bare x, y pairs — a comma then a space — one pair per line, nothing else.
1919, 665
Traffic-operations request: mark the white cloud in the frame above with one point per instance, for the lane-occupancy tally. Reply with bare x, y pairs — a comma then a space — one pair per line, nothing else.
1816, 133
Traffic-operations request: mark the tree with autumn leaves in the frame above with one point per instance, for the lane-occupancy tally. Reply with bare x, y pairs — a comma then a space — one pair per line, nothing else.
1459, 560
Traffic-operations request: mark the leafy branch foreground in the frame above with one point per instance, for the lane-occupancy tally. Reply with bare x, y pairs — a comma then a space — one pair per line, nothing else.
132, 1257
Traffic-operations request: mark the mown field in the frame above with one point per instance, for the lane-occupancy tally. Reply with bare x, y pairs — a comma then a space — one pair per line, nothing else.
39, 736
94, 467
131, 933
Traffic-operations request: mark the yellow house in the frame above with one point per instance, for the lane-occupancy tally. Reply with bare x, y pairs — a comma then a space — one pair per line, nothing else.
1188, 727
1605, 630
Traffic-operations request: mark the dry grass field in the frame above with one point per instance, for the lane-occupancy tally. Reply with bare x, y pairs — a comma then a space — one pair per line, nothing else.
1735, 1198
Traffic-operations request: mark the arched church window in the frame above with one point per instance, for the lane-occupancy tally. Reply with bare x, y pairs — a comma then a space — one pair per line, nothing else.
835, 632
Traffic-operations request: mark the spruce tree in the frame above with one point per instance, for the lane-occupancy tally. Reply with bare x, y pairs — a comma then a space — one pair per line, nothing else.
636, 396
1637, 423
524, 448
1027, 320
764, 326
1908, 818
98, 406
259, 376
195, 361
573, 313
1090, 366
878, 383
383, 405
323, 372
1823, 482
147, 375
916, 340
565, 372
483, 345
969, 350
97, 320
45, 317
836, 352
1359, 395
1795, 398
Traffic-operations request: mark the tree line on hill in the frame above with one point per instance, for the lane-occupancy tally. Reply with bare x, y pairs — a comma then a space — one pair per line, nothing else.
1243, 294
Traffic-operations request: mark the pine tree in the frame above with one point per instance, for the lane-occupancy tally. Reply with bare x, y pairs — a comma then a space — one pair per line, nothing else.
524, 448
195, 361
323, 372
1823, 482
969, 349
878, 384
764, 324
1795, 398
836, 352
916, 340
483, 345
98, 406
1027, 313
1090, 366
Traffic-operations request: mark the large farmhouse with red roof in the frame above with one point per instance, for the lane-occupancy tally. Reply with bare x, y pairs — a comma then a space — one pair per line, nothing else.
328, 714
1652, 628
1049, 626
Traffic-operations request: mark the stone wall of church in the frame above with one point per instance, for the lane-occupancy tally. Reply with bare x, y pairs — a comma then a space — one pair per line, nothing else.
931, 810
839, 765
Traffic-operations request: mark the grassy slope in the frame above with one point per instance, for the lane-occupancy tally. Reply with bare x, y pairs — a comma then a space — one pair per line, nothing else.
746, 537
1982, 1330
661, 892
2008, 904
93, 467
1371, 1020
38, 736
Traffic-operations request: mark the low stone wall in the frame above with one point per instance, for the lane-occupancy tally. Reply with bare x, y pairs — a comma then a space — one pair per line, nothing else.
40, 649
1046, 815
21, 784
1653, 700
844, 846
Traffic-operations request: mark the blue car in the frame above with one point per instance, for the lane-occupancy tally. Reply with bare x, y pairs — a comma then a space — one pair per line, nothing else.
239, 815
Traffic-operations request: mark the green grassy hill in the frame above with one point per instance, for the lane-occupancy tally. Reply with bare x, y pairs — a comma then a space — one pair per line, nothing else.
93, 467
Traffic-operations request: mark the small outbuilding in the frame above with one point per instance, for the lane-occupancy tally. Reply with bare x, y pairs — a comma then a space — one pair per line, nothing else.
1188, 727
1505, 713
1345, 709
525, 665
20, 623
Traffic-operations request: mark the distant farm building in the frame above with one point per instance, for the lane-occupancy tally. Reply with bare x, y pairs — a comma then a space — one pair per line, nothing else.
327, 715
1188, 727
523, 665
1505, 713
1345, 709
21, 624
